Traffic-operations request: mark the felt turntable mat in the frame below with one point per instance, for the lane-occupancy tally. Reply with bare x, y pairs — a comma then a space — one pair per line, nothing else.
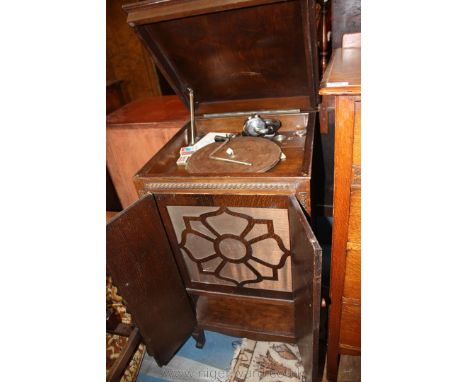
261, 153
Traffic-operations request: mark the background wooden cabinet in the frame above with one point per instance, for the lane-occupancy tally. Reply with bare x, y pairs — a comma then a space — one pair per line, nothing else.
127, 59
342, 82
134, 133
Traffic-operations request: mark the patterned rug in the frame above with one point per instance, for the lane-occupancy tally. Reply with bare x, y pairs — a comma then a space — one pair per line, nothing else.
212, 363
114, 343
266, 362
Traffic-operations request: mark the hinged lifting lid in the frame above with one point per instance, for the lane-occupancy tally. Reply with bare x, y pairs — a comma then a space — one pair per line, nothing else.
237, 55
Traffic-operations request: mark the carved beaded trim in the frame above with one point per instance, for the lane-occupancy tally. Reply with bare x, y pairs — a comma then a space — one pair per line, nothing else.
219, 186
302, 197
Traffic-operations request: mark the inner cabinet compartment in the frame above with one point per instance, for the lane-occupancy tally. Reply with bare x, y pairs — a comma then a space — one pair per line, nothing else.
256, 318
244, 265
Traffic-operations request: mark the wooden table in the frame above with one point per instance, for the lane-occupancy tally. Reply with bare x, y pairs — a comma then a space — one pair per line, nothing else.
342, 84
134, 133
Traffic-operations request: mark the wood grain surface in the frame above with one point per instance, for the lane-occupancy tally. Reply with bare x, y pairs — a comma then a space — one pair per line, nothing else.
240, 316
229, 64
134, 133
142, 267
149, 111
344, 312
343, 74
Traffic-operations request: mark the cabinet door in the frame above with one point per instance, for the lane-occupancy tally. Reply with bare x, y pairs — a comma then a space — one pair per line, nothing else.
308, 270
142, 266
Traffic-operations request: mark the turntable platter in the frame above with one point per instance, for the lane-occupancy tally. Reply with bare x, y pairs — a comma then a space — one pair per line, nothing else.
255, 154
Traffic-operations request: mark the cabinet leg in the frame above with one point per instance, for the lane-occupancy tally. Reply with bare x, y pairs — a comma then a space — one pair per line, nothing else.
333, 361
199, 336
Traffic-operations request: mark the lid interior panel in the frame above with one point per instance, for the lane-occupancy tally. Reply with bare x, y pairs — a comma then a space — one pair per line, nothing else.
240, 54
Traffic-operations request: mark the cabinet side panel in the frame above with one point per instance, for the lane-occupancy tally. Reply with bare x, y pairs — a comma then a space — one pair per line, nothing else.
307, 265
343, 180
142, 266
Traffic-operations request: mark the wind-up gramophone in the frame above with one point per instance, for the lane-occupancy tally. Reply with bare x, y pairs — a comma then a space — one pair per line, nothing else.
214, 244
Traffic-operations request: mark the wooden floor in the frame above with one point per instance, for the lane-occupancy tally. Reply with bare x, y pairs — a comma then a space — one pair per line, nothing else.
349, 370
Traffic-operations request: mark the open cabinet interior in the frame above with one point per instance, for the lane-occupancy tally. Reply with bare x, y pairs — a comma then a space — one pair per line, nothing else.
247, 266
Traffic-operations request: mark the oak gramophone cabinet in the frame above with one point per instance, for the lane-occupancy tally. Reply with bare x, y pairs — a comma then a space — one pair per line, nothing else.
229, 251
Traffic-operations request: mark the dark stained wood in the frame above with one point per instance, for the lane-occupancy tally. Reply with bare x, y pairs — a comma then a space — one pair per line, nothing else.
120, 329
121, 363
323, 167
297, 163
292, 318
261, 319
290, 122
279, 103
208, 290
309, 147
323, 29
199, 337
213, 48
308, 276
344, 311
237, 56
112, 199
309, 25
291, 175
233, 51
326, 107
155, 11
114, 325
346, 18
141, 264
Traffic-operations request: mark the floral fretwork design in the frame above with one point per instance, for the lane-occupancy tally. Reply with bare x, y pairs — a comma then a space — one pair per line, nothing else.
233, 247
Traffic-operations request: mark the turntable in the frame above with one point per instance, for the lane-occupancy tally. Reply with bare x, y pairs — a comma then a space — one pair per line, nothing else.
239, 154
